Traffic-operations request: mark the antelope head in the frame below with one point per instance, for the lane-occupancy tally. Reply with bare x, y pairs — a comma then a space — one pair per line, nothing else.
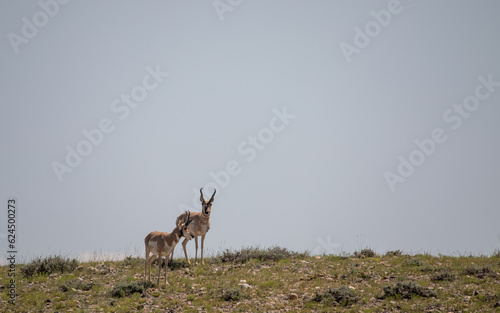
206, 206
183, 227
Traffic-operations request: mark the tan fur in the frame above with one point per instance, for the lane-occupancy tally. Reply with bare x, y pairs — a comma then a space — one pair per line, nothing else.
199, 227
162, 244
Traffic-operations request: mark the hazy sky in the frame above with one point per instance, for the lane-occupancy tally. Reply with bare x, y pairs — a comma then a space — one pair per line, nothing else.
325, 126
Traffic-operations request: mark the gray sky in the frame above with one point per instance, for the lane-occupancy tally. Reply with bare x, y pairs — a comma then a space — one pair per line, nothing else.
326, 126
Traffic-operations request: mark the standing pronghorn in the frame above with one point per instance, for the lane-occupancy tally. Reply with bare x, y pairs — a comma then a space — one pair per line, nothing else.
199, 227
161, 244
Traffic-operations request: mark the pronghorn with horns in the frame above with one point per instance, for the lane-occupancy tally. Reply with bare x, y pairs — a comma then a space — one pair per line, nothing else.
162, 244
199, 227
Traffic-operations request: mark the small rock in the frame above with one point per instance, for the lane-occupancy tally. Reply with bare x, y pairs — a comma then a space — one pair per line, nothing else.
317, 257
244, 286
352, 287
243, 281
53, 276
293, 296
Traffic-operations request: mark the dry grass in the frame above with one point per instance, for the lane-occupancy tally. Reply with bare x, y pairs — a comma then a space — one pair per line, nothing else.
265, 280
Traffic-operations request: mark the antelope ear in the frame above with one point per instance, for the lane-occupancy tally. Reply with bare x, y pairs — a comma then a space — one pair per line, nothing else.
179, 221
201, 196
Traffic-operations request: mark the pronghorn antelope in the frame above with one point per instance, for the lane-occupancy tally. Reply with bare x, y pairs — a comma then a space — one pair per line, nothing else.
200, 225
162, 244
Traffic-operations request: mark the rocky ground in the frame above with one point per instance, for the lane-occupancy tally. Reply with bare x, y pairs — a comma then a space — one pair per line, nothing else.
276, 281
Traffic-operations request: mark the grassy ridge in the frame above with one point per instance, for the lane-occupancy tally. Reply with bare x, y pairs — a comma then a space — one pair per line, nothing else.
262, 280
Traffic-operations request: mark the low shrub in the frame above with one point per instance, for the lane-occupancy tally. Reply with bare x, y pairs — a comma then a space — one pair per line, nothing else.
77, 284
133, 261
49, 265
394, 253
365, 253
343, 295
230, 294
480, 272
175, 264
246, 254
444, 275
128, 288
413, 262
406, 290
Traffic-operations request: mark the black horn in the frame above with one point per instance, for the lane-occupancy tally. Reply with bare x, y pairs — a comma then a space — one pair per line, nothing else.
212, 199
188, 220
201, 196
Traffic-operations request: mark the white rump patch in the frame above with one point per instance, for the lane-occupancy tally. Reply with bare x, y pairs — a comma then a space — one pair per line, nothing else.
153, 246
